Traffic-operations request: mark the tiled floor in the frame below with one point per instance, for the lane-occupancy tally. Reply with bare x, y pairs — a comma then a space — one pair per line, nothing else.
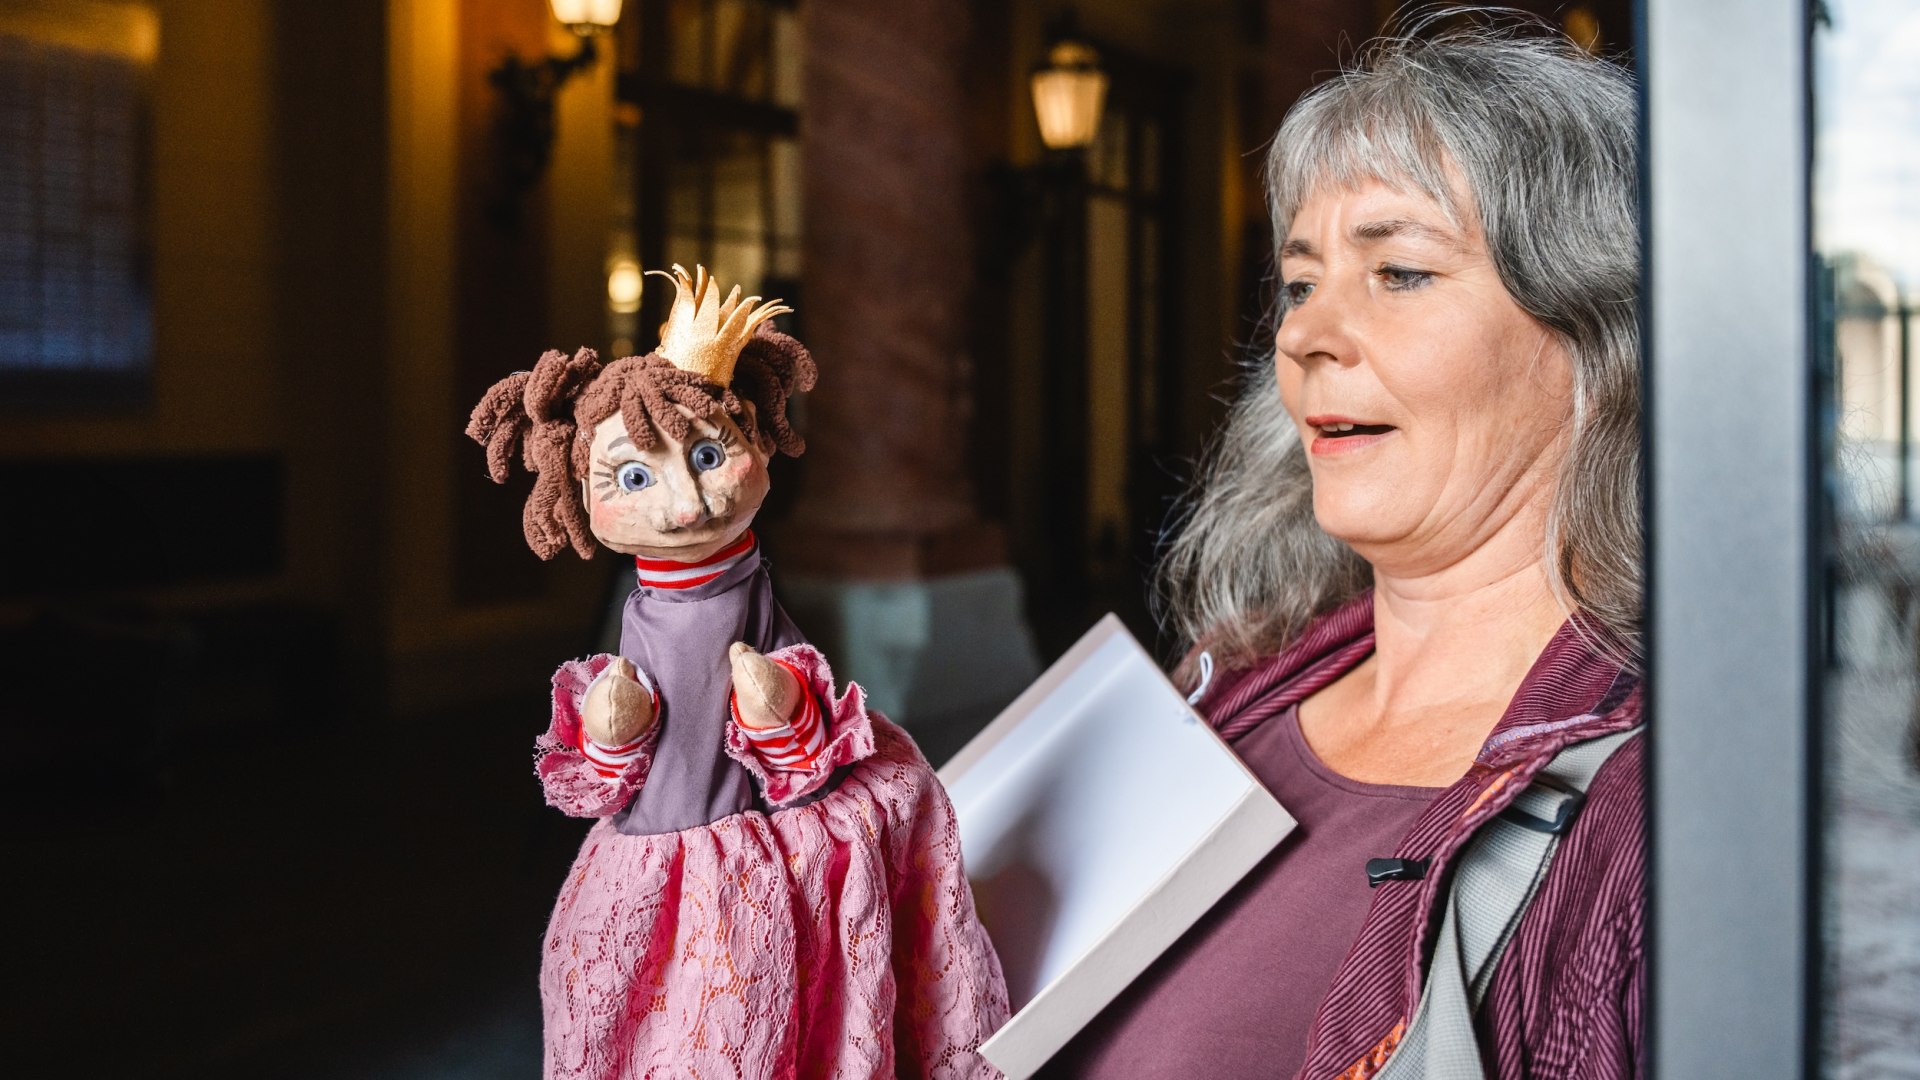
350, 906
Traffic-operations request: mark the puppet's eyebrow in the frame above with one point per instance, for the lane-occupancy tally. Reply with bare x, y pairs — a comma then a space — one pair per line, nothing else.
620, 441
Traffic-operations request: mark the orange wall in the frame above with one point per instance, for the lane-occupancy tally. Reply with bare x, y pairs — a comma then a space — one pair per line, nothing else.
327, 342
443, 650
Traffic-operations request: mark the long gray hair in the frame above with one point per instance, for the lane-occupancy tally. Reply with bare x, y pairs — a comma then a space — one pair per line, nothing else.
1544, 138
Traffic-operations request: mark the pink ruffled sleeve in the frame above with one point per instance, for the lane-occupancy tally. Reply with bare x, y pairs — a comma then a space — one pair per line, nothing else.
572, 784
849, 731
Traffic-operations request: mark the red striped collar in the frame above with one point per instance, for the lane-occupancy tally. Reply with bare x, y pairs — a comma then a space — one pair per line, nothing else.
674, 574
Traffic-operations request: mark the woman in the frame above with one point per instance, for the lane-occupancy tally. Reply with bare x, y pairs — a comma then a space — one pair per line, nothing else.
1415, 558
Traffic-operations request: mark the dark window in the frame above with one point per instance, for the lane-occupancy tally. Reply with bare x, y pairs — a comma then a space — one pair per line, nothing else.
709, 149
76, 323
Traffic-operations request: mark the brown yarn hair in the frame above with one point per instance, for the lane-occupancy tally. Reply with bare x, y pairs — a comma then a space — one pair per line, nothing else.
547, 416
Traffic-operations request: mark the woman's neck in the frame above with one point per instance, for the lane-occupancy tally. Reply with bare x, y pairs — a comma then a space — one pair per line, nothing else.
1464, 623
1451, 645
1465, 642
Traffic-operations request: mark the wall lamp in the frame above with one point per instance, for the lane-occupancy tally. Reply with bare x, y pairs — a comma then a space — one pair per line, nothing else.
527, 92
1069, 97
1069, 90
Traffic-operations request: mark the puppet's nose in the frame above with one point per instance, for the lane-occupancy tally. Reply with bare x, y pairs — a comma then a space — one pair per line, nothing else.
688, 514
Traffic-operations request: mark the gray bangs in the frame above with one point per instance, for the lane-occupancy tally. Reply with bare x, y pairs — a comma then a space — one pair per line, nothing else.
1343, 143
1530, 142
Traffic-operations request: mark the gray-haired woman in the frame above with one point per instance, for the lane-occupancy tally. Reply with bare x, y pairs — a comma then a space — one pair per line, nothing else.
1415, 557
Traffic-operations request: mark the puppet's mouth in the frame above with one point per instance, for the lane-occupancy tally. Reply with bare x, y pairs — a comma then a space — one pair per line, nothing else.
694, 533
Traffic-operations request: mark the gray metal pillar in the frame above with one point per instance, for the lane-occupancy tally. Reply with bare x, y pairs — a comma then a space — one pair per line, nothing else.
1732, 536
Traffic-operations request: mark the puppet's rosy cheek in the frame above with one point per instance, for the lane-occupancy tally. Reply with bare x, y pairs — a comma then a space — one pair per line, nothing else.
602, 515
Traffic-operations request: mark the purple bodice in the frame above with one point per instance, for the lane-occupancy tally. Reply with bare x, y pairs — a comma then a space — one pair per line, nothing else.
679, 638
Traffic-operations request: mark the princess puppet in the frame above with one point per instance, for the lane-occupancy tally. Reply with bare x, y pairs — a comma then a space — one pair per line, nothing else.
774, 887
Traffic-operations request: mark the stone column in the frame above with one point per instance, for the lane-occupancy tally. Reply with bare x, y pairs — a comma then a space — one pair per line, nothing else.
886, 549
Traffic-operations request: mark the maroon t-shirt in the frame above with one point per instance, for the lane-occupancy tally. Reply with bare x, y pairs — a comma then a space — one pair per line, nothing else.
1236, 995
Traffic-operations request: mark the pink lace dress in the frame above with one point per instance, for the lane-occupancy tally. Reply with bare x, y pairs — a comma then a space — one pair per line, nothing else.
834, 936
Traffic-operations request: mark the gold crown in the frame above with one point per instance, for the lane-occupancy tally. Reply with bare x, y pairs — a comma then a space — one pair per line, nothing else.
706, 337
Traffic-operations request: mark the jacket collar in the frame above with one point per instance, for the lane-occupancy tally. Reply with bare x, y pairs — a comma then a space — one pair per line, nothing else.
1572, 691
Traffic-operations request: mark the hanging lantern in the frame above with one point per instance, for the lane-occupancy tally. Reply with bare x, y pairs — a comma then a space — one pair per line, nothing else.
1068, 95
587, 17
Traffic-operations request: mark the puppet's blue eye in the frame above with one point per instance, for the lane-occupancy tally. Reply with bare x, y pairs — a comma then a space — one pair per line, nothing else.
708, 455
634, 476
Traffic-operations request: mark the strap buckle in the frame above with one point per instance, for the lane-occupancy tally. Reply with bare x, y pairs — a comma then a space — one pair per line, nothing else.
1381, 871
1570, 803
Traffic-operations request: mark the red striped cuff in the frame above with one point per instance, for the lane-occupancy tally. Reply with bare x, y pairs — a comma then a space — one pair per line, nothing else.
794, 745
612, 761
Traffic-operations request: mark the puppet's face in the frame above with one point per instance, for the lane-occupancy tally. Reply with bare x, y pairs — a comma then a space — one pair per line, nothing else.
679, 500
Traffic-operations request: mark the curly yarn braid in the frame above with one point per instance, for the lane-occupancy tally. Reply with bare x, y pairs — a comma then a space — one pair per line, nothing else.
771, 368
533, 411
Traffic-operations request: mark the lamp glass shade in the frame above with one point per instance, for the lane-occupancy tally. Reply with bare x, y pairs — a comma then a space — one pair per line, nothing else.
1068, 95
586, 17
1068, 104
624, 286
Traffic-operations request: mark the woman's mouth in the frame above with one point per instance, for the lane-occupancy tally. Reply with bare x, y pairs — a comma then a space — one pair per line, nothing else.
1340, 435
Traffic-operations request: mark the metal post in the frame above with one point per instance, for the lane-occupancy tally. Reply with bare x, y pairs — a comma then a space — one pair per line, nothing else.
1903, 482
1732, 544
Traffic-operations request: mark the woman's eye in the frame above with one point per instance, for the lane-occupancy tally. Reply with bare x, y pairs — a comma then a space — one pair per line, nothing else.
1399, 277
707, 455
634, 476
1296, 292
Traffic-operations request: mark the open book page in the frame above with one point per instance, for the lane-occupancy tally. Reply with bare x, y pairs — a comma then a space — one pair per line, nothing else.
1100, 817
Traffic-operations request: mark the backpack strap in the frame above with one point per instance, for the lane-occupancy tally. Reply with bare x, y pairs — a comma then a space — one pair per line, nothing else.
1494, 881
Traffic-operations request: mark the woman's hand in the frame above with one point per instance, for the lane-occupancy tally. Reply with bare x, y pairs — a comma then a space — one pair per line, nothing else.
617, 710
766, 694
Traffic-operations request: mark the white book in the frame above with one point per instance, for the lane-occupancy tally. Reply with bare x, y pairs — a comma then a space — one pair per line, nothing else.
1100, 817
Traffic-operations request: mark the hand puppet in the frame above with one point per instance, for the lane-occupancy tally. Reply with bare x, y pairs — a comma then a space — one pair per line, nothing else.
774, 887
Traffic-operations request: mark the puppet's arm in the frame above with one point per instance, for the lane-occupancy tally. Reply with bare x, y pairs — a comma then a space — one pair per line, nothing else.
598, 748
787, 727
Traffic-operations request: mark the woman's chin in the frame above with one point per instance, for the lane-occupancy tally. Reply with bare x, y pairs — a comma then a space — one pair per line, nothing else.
1360, 525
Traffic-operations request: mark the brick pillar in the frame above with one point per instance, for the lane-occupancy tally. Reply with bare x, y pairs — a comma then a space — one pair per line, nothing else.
888, 260
886, 561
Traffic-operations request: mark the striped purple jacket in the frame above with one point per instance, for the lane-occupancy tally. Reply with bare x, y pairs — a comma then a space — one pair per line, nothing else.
1566, 998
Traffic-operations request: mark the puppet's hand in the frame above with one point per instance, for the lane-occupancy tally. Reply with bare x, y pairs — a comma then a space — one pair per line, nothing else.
765, 692
618, 710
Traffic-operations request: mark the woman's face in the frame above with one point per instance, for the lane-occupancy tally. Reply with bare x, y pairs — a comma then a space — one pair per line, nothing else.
679, 500
1432, 407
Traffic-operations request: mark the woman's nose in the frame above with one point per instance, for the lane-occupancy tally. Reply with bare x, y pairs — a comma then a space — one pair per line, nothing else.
1315, 327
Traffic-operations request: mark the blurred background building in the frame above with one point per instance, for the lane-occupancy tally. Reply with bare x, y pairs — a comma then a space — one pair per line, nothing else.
1866, 143
274, 648
261, 258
